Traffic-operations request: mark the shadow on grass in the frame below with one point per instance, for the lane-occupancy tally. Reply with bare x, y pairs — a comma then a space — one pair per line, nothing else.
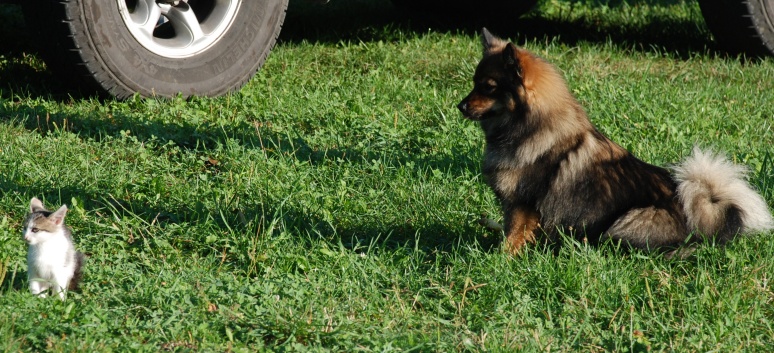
14, 280
201, 139
367, 21
256, 133
21, 71
378, 20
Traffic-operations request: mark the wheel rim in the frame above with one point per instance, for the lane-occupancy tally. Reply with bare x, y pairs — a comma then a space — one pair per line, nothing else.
178, 29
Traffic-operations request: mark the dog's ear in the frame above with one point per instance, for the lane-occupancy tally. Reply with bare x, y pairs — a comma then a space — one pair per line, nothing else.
511, 60
489, 41
486, 38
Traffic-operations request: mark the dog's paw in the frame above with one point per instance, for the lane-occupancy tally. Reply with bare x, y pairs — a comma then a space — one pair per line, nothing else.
681, 253
489, 223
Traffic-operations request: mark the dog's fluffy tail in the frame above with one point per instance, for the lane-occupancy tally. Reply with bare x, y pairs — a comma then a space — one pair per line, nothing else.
717, 199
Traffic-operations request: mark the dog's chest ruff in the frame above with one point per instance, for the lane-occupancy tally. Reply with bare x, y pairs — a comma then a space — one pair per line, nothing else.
503, 173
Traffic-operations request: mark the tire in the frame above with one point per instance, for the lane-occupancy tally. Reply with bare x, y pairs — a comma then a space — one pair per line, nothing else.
101, 45
741, 26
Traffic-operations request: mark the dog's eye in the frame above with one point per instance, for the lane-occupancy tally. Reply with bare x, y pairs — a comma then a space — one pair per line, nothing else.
489, 86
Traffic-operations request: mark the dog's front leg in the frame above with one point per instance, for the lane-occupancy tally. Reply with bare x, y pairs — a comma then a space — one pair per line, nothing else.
520, 226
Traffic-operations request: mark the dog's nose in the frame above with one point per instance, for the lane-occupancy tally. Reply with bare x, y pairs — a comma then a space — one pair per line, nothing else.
463, 106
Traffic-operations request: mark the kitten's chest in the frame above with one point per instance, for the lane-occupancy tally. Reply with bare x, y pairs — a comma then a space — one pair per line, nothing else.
50, 255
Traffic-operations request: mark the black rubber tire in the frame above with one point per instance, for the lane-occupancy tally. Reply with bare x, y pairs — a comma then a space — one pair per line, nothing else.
88, 41
741, 26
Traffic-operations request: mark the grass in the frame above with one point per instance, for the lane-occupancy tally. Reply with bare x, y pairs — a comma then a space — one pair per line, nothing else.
330, 205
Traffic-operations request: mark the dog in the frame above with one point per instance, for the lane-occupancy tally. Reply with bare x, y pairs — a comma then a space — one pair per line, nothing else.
554, 173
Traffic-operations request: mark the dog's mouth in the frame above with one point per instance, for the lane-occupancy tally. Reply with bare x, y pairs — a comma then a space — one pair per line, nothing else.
476, 107
472, 117
474, 114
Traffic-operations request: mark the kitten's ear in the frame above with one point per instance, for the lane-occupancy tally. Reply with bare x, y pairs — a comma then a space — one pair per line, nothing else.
489, 41
36, 205
58, 216
511, 59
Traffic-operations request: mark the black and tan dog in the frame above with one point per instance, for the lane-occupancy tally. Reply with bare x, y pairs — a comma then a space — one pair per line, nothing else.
553, 171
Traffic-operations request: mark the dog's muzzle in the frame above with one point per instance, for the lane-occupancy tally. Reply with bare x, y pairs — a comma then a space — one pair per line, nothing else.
463, 106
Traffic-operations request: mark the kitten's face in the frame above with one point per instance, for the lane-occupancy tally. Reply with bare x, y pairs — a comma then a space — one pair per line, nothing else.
42, 224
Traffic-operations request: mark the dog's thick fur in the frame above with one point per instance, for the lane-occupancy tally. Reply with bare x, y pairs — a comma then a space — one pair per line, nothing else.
553, 171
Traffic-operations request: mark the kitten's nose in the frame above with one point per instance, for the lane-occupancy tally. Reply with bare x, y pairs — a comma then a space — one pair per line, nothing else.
463, 106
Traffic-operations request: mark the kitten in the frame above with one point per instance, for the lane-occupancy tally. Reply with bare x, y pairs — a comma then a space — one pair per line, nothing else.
52, 261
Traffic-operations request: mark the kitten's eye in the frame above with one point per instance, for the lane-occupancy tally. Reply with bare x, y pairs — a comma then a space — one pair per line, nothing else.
34, 230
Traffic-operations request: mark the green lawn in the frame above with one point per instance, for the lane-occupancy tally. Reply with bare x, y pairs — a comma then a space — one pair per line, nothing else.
331, 204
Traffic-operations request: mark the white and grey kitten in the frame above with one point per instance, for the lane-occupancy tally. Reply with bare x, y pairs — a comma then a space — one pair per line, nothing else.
52, 262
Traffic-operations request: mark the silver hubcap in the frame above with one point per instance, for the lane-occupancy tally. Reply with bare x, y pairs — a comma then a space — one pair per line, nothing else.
178, 29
